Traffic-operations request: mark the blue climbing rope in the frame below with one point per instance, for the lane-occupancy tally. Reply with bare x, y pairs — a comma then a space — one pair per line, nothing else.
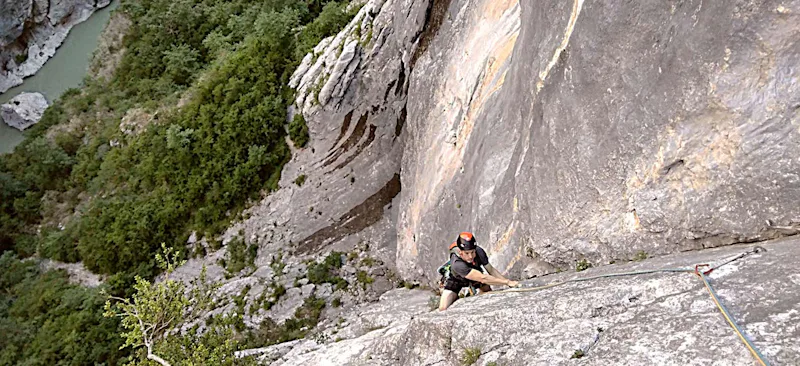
696, 270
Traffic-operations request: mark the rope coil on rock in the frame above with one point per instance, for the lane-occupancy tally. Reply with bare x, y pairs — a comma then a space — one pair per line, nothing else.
696, 271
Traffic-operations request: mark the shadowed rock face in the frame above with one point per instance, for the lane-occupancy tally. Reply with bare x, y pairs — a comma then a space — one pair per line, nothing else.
662, 318
351, 91
608, 129
31, 30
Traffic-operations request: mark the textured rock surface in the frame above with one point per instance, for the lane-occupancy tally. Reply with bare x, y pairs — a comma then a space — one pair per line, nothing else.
664, 319
609, 129
32, 30
77, 273
24, 110
110, 48
12, 19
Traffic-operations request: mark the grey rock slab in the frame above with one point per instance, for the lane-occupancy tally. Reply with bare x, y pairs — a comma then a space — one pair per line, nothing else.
349, 269
660, 318
289, 302
308, 289
77, 273
271, 353
371, 324
340, 69
62, 9
264, 272
324, 290
40, 10
24, 110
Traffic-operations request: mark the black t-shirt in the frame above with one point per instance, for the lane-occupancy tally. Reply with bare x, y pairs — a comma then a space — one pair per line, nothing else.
460, 268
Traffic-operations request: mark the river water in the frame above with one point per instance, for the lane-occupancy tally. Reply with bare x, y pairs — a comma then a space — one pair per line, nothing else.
66, 69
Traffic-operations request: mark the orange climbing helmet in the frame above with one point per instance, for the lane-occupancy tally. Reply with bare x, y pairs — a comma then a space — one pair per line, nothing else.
466, 241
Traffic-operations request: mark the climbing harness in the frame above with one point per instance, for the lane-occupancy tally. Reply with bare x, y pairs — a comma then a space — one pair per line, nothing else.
696, 271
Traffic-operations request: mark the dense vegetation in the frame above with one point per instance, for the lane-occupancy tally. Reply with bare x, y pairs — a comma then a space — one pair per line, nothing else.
202, 86
45, 320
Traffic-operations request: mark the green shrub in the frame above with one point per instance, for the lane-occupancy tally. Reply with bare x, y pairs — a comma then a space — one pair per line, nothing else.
333, 17
277, 264
298, 131
470, 356
369, 262
43, 317
300, 180
582, 265
305, 318
239, 256
323, 272
22, 57
363, 278
238, 106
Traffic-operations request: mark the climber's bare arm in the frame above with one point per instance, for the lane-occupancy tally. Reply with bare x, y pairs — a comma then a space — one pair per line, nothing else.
486, 278
494, 272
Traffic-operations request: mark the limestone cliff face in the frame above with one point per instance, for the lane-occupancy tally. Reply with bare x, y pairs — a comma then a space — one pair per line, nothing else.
31, 30
597, 130
555, 131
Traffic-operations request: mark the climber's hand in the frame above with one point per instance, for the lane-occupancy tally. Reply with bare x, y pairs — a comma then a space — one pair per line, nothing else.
514, 284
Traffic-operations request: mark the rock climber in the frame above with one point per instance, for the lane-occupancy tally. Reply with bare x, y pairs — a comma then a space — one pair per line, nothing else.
466, 269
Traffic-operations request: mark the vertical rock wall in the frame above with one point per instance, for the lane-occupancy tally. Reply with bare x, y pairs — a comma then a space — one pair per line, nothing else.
611, 129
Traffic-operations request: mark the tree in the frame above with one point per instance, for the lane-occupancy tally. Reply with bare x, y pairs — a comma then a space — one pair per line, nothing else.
155, 314
181, 63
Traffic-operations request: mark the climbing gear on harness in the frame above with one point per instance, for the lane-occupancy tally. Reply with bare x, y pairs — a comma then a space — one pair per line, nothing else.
696, 271
444, 269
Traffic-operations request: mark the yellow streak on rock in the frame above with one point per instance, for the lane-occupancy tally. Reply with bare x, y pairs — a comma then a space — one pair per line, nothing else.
505, 238
448, 161
701, 160
451, 162
494, 9
576, 10
499, 56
